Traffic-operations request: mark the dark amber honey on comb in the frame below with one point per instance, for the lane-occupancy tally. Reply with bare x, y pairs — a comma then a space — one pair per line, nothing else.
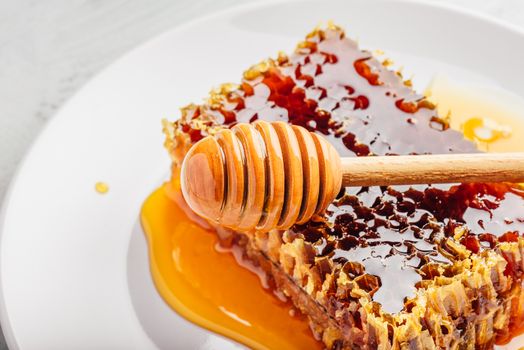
388, 241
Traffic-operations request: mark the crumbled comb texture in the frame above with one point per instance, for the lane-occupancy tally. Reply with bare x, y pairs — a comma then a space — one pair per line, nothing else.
417, 267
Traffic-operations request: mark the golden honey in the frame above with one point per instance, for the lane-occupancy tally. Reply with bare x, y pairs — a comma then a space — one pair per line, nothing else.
101, 187
210, 288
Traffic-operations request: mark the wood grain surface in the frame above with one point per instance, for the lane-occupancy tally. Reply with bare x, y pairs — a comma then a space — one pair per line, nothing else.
448, 168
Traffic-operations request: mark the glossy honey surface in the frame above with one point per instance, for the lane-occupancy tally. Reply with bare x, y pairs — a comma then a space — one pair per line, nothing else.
211, 289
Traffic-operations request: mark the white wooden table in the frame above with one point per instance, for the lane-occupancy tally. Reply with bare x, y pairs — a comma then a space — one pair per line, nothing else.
50, 48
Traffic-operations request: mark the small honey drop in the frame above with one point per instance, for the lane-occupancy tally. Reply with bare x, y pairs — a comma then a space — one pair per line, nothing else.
101, 187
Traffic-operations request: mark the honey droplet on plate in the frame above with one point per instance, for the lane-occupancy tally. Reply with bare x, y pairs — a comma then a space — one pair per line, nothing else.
484, 130
101, 187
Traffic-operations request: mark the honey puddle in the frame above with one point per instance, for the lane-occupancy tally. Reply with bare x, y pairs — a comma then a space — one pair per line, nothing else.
211, 289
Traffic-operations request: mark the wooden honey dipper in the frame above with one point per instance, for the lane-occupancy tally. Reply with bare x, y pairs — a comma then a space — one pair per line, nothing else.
273, 175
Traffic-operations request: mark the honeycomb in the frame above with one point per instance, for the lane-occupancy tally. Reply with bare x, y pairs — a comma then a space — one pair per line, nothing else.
418, 267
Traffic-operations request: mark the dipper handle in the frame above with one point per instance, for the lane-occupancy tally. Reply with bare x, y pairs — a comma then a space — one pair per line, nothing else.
440, 168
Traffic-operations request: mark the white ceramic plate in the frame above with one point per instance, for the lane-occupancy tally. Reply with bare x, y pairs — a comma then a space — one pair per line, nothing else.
74, 269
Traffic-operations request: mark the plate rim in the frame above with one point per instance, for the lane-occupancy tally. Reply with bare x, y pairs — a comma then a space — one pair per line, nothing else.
13, 184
